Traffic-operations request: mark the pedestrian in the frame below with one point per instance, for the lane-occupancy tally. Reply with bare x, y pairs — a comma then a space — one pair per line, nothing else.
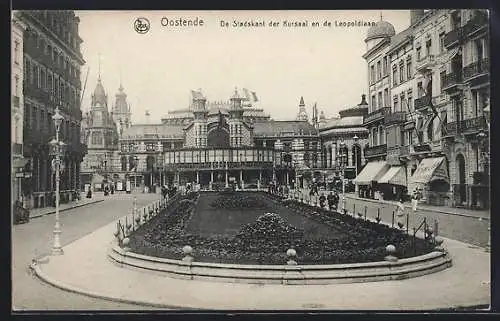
414, 200
322, 200
336, 199
330, 199
400, 213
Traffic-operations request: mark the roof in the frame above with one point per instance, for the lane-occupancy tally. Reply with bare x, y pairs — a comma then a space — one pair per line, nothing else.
381, 29
99, 93
155, 130
283, 128
353, 121
400, 38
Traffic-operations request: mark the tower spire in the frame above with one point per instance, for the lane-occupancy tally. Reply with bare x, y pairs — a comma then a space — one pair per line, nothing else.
121, 86
99, 57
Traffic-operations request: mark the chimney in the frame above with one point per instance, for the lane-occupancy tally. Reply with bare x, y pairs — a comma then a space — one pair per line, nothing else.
416, 15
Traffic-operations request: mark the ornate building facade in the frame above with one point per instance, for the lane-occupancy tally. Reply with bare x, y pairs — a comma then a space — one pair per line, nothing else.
435, 128
218, 143
51, 65
17, 102
100, 131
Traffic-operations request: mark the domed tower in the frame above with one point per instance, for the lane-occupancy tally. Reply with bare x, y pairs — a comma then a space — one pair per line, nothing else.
121, 110
380, 31
200, 114
302, 115
236, 120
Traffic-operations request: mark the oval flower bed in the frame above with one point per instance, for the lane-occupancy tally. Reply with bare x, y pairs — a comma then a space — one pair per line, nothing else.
266, 240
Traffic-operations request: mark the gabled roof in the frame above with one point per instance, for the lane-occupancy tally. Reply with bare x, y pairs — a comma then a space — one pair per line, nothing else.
400, 39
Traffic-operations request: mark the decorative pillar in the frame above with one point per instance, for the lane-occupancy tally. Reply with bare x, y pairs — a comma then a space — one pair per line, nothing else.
227, 182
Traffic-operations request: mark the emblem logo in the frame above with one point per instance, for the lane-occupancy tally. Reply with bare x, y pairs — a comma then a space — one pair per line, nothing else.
141, 25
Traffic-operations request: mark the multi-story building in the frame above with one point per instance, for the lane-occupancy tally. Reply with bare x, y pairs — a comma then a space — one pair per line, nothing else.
436, 127
100, 134
217, 143
465, 78
17, 110
344, 140
51, 64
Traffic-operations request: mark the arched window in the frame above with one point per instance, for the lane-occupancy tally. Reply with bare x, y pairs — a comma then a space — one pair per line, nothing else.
97, 138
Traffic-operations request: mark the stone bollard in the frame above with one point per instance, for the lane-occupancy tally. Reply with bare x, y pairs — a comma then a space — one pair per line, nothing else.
438, 241
391, 250
291, 253
125, 243
187, 250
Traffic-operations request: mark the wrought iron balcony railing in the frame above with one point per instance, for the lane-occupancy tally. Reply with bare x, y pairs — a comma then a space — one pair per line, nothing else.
478, 22
395, 118
378, 114
422, 102
378, 150
451, 80
470, 125
425, 62
479, 67
453, 37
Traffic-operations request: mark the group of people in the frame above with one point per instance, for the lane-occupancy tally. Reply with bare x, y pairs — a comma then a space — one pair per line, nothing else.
275, 188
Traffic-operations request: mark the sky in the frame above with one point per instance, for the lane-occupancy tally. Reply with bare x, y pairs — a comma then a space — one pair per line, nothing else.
158, 69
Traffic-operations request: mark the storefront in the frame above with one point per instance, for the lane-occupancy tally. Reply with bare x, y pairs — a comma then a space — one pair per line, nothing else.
367, 181
393, 183
431, 176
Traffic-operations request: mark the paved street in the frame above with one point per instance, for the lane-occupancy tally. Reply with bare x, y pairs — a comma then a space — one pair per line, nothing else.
465, 229
35, 238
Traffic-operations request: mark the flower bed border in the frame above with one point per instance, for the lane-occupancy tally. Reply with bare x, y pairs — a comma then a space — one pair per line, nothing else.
285, 274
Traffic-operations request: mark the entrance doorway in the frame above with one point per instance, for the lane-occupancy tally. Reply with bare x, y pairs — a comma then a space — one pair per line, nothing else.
462, 188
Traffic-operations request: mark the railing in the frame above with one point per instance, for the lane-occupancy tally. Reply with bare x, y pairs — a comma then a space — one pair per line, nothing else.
37, 93
451, 79
467, 125
218, 165
404, 150
376, 115
376, 150
476, 68
422, 102
479, 21
15, 101
425, 62
453, 37
17, 149
395, 118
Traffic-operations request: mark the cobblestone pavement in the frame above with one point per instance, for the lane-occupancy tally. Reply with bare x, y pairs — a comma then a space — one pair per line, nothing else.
469, 230
35, 238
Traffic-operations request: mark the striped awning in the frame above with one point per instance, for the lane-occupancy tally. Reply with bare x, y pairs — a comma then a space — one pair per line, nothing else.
372, 171
396, 175
429, 169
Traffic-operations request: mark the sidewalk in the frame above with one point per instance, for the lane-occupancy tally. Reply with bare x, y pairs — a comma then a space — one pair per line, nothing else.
39, 212
483, 214
84, 268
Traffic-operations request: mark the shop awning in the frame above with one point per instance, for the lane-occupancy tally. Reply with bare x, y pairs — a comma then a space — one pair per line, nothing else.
396, 175
373, 171
429, 169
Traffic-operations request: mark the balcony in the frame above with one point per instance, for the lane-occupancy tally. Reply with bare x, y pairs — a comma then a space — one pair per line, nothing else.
379, 150
422, 103
425, 63
467, 126
33, 92
404, 151
398, 117
17, 149
377, 115
477, 68
477, 23
452, 38
15, 101
451, 81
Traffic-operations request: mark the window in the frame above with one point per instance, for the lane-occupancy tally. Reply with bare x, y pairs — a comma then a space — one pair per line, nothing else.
386, 96
444, 120
380, 102
419, 53
16, 52
395, 102
385, 67
409, 72
394, 75
428, 47
379, 71
374, 103
403, 102
410, 101
372, 74
420, 89
401, 71
441, 42
430, 130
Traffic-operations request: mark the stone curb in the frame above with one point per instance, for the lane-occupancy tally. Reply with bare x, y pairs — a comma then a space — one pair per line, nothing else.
66, 209
422, 208
108, 297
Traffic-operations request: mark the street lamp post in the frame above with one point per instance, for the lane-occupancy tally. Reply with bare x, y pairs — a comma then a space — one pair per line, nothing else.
342, 157
57, 118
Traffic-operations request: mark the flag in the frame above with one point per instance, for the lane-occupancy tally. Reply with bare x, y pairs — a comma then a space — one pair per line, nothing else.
247, 94
254, 96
